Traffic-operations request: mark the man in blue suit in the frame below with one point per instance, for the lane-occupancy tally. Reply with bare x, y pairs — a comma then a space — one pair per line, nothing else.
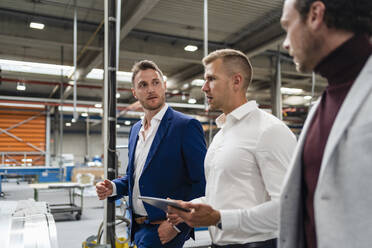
166, 159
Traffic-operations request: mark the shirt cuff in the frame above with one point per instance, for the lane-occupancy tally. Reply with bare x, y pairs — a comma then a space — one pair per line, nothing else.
114, 192
230, 219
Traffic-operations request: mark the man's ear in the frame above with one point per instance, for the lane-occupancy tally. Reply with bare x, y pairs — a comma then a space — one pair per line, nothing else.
165, 84
237, 81
315, 17
133, 92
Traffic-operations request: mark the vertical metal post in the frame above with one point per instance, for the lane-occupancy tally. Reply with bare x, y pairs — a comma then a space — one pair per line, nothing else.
87, 137
109, 123
75, 116
3, 159
276, 95
55, 132
47, 136
24, 159
60, 162
210, 133
118, 21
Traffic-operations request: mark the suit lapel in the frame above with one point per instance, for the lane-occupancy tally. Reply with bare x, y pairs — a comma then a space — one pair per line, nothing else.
162, 130
354, 99
133, 141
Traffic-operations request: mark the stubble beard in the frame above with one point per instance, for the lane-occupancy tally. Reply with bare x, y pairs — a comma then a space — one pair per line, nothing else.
311, 49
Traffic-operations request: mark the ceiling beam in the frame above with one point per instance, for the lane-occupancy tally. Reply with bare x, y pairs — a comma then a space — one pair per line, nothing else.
142, 10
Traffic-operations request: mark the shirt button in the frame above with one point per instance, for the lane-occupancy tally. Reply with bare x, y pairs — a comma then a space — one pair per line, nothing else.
325, 197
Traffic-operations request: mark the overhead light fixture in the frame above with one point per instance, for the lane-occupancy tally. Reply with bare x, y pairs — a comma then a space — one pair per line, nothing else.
308, 97
191, 48
37, 25
21, 86
84, 114
118, 95
117, 126
68, 124
192, 101
73, 120
127, 123
291, 91
98, 105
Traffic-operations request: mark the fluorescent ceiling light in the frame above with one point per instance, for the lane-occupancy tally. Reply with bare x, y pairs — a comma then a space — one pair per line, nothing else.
98, 105
308, 97
37, 25
127, 123
122, 76
85, 114
21, 86
68, 124
191, 48
37, 68
192, 101
73, 120
80, 109
291, 91
117, 95
117, 126
197, 82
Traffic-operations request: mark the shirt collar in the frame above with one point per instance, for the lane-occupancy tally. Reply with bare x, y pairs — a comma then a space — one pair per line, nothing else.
159, 116
237, 113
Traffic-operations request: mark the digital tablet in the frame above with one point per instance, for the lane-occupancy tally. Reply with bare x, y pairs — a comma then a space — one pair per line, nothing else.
162, 203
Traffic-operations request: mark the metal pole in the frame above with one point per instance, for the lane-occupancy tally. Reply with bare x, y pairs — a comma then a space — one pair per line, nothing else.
55, 132
109, 124
276, 94
47, 148
210, 133
75, 116
87, 138
60, 162
118, 21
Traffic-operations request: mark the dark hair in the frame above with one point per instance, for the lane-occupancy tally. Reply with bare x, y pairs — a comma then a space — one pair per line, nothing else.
349, 15
145, 65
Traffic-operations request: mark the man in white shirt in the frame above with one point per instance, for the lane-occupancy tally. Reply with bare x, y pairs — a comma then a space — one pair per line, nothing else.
245, 164
166, 156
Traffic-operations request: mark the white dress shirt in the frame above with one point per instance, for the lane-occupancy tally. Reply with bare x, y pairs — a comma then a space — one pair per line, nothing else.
145, 139
245, 167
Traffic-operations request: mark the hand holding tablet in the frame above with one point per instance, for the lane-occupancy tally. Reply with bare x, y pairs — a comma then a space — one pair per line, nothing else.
162, 203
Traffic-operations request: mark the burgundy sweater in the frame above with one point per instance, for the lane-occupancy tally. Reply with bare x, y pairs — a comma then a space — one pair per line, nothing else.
340, 68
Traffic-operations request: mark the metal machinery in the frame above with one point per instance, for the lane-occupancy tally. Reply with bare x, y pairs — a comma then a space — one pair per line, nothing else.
27, 224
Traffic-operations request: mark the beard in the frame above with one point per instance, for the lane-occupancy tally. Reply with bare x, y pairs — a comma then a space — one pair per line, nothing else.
311, 48
152, 107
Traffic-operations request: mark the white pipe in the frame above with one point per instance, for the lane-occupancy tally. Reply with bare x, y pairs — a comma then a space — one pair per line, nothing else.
118, 18
75, 62
47, 136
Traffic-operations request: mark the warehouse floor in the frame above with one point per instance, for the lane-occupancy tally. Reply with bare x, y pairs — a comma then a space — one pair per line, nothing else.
71, 233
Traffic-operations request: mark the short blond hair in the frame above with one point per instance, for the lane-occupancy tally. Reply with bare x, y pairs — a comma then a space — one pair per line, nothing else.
235, 61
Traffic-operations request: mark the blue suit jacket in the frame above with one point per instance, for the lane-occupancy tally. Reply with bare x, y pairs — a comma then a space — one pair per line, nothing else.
174, 166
